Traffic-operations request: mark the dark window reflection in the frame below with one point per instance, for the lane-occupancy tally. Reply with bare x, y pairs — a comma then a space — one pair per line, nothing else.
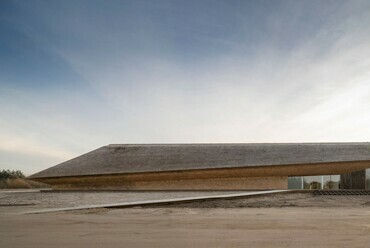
331, 182
317, 182
295, 183
312, 182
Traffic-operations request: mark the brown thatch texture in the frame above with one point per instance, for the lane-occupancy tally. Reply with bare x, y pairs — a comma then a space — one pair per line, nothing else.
115, 159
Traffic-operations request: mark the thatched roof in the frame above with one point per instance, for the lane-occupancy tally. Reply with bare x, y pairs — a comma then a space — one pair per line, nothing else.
115, 159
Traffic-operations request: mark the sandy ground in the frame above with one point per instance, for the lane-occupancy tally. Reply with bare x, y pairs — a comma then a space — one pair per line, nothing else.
39, 200
284, 220
283, 200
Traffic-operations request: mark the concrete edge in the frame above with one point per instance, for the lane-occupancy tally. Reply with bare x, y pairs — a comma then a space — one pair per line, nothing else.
154, 202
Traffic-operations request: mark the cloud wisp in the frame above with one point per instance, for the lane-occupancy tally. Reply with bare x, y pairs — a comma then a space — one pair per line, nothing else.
139, 72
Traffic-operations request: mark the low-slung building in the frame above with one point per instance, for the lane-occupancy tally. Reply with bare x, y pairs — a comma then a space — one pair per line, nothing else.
204, 166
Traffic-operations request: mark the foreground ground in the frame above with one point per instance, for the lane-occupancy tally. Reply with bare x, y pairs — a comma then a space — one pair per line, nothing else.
284, 220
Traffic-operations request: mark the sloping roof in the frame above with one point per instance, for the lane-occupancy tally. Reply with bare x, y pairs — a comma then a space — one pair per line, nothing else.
115, 159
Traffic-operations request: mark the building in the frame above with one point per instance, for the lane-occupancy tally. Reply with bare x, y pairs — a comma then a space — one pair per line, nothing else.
213, 167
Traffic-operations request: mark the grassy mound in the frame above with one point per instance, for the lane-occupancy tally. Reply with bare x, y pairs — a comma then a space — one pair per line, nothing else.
21, 183
16, 180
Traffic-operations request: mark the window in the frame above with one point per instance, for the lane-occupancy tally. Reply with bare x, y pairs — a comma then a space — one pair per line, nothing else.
331, 182
313, 182
295, 183
318, 182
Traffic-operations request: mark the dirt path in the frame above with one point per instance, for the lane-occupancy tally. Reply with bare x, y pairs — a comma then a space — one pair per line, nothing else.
190, 227
281, 220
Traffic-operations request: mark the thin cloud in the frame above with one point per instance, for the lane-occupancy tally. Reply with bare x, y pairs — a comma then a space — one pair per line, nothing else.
299, 73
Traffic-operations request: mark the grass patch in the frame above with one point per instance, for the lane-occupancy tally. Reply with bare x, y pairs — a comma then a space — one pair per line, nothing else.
15, 179
21, 183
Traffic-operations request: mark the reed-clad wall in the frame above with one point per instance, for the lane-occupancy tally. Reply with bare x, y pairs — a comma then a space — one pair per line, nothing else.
204, 166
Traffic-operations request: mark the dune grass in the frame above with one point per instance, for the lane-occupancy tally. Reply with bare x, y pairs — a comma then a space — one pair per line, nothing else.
15, 179
20, 183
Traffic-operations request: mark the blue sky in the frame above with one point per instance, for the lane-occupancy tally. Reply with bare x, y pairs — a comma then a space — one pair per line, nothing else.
76, 75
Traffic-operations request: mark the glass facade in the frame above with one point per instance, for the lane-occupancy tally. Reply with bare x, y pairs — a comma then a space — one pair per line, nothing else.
316, 182
331, 182
313, 182
295, 183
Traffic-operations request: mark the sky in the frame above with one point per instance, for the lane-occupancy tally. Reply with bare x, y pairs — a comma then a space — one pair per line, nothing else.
76, 75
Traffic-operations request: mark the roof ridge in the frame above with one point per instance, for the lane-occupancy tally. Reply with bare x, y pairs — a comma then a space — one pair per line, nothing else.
225, 144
